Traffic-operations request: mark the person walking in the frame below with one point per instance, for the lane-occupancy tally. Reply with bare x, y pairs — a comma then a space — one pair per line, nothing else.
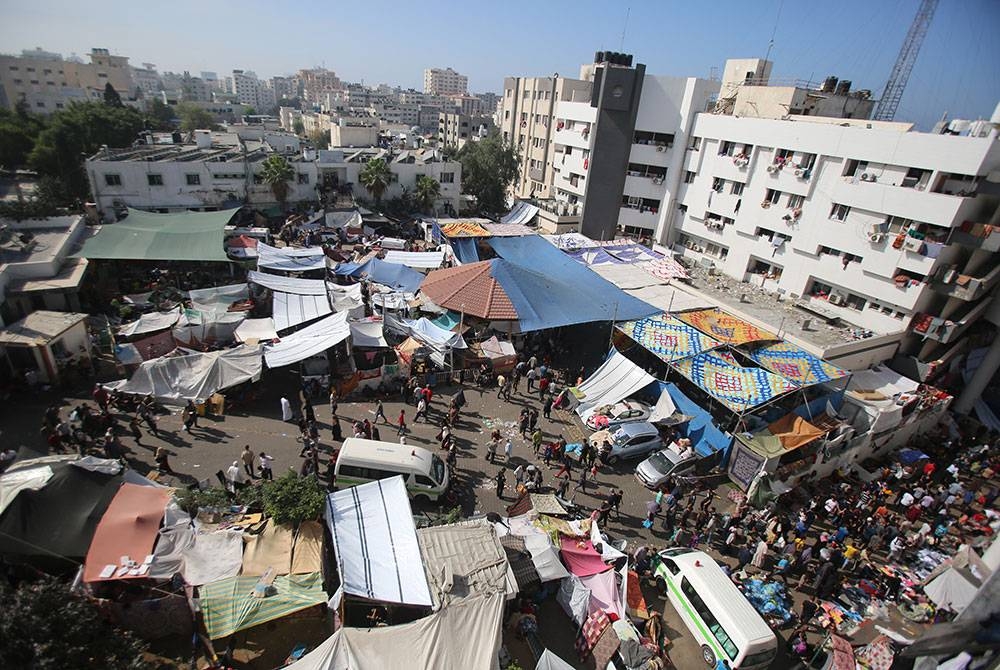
190, 416
334, 401
338, 432
532, 419
150, 420
581, 484
536, 440
247, 458
501, 481
532, 375
401, 423
266, 462
547, 408
567, 466
491, 449
379, 412
543, 386
421, 410
522, 422
286, 409
162, 459
508, 449
308, 411
759, 555
133, 426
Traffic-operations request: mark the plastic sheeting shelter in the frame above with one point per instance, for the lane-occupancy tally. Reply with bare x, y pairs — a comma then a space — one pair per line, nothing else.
230, 605
393, 275
216, 300
549, 661
311, 340
375, 543
195, 376
368, 334
521, 213
705, 436
465, 250
289, 309
145, 236
737, 387
287, 284
466, 635
667, 337
151, 322
256, 330
416, 259
617, 378
426, 332
786, 434
290, 259
463, 561
129, 527
794, 363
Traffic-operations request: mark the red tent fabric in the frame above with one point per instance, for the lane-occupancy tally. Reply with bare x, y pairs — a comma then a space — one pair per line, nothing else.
129, 528
580, 557
242, 242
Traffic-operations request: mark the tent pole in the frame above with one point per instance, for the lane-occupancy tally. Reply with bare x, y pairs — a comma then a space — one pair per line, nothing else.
611, 335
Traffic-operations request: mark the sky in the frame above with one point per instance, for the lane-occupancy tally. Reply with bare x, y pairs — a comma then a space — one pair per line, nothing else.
958, 70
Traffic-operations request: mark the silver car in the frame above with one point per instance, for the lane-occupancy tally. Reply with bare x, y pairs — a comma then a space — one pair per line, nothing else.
629, 441
655, 470
612, 416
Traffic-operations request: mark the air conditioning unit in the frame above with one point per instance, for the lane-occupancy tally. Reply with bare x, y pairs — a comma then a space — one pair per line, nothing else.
836, 299
798, 172
661, 148
657, 180
772, 168
868, 176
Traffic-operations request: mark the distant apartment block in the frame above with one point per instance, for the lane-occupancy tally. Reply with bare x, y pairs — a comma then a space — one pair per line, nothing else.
48, 82
445, 82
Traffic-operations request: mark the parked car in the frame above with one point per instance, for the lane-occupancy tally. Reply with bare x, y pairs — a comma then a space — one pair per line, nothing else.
630, 440
665, 463
612, 416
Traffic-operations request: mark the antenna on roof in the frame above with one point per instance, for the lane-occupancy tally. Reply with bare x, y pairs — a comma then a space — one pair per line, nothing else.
770, 45
628, 11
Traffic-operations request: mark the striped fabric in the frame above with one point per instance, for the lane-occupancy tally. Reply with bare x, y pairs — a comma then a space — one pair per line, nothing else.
230, 605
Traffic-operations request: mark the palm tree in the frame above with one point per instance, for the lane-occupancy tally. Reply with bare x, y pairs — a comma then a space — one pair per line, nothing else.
276, 173
426, 193
375, 177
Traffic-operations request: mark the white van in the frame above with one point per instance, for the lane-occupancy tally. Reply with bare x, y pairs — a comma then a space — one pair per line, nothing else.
361, 461
721, 619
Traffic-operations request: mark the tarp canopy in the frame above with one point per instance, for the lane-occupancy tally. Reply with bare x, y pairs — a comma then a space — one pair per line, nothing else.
129, 527
290, 259
462, 561
495, 348
416, 259
574, 598
617, 378
216, 300
705, 436
393, 275
633, 253
466, 635
725, 327
880, 381
664, 408
667, 337
151, 322
213, 557
522, 213
195, 328
426, 331
344, 298
31, 478
145, 236
465, 249
290, 310
666, 268
269, 549
195, 376
549, 296
737, 387
463, 228
787, 433
256, 330
287, 284
367, 334
375, 543
580, 557
794, 363
231, 605
311, 340
955, 582
598, 257
508, 229
549, 661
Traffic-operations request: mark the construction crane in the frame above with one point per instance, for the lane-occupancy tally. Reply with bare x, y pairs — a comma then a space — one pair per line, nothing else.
886, 109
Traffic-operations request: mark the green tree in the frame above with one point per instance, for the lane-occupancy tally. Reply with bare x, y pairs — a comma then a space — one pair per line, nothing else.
249, 111
376, 177
291, 499
298, 128
276, 173
320, 139
194, 117
426, 192
161, 114
489, 167
18, 131
111, 97
46, 626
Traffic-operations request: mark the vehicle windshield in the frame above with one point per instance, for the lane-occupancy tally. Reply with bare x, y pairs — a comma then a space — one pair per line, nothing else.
619, 438
660, 462
760, 658
437, 469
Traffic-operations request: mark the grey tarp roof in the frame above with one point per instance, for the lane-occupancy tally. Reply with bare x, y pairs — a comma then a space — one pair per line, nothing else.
196, 376
146, 236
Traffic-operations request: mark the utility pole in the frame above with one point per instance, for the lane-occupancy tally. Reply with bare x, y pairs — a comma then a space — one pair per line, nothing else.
894, 87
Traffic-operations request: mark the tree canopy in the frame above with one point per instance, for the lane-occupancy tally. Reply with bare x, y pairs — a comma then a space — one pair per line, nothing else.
489, 167
18, 131
292, 499
376, 177
111, 97
276, 173
319, 138
161, 114
426, 193
194, 117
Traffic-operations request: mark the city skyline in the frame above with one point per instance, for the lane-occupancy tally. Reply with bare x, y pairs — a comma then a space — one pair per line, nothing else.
958, 70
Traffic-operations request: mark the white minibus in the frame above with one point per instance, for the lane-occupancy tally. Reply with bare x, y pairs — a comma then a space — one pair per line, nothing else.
360, 461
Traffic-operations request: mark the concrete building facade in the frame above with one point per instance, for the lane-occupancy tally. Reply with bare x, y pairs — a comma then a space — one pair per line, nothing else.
48, 83
446, 81
455, 129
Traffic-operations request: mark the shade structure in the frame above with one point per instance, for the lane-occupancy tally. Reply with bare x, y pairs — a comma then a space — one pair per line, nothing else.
617, 378
633, 253
667, 337
216, 300
725, 327
520, 214
700, 429
794, 363
231, 605
786, 434
416, 259
256, 330
375, 543
393, 275
464, 560
287, 284
737, 387
290, 309
241, 242
465, 249
470, 289
590, 256
290, 259
128, 528
311, 340
145, 236
195, 376
463, 229
151, 322
367, 334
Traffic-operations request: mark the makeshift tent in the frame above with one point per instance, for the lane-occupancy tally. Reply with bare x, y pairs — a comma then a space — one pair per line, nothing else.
605, 594
880, 383
466, 635
463, 561
290, 259
307, 549
462, 228
598, 257
145, 236
287, 284
580, 556
393, 275
217, 300
737, 387
231, 605
151, 322
787, 433
470, 289
416, 259
508, 229
725, 327
213, 557
465, 249
256, 330
449, 320
33, 477
955, 582
550, 296
794, 364
425, 331
664, 408
617, 378
574, 598
705, 436
521, 213
311, 340
345, 298
375, 543
367, 334
633, 253
667, 337
269, 549
291, 310
195, 376
549, 661
242, 246
129, 528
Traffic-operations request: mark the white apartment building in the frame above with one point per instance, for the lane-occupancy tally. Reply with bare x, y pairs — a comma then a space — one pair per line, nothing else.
47, 82
316, 83
251, 91
146, 78
455, 129
445, 82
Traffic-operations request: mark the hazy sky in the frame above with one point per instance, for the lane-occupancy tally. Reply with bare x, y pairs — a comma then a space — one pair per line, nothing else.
958, 70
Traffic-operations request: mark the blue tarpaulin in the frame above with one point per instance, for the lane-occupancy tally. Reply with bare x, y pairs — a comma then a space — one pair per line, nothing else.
392, 275
705, 436
549, 289
465, 249
911, 456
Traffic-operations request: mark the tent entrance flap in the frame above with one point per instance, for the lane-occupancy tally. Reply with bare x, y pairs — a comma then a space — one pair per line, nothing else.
616, 379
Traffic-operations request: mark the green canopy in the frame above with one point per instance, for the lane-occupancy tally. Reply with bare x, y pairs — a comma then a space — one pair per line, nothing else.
230, 605
146, 236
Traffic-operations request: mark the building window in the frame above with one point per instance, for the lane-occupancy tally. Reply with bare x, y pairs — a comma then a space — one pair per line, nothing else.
695, 144
772, 196
737, 188
303, 178
855, 302
839, 212
689, 177
39, 104
795, 201
154, 179
447, 177
113, 179
717, 184
193, 179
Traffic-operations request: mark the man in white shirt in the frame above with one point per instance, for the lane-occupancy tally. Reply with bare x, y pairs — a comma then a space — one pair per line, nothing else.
906, 499
265, 466
234, 477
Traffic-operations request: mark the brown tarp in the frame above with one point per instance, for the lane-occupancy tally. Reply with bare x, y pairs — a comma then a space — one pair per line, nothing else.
129, 527
271, 549
793, 431
308, 547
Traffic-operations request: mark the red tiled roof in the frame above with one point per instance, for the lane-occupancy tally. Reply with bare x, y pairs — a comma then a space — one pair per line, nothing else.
470, 289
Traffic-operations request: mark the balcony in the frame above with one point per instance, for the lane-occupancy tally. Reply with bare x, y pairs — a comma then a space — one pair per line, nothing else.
788, 178
937, 208
650, 154
644, 187
977, 236
946, 331
964, 287
572, 138
628, 216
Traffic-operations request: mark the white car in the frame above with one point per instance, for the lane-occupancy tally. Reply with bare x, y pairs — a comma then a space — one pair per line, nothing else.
612, 416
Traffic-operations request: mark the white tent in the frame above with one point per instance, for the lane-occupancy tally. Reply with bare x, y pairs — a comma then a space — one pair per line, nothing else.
549, 661
151, 322
466, 635
416, 259
616, 379
464, 560
290, 259
289, 309
574, 598
954, 583
256, 330
195, 376
375, 543
217, 299
344, 298
663, 409
287, 284
367, 334
881, 380
311, 340
521, 213
193, 327
426, 332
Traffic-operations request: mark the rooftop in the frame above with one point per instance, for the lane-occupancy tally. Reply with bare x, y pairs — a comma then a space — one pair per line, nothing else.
39, 328
26, 243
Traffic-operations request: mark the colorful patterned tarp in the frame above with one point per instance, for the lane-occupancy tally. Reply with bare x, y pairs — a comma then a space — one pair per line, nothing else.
666, 268
592, 256
735, 386
667, 337
725, 327
464, 229
633, 253
794, 364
